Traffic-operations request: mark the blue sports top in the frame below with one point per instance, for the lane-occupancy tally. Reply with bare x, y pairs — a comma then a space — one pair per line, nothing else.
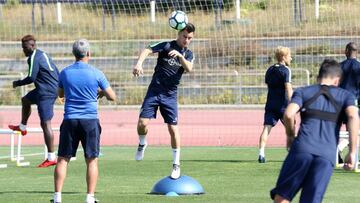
351, 76
276, 76
43, 73
80, 82
316, 136
168, 70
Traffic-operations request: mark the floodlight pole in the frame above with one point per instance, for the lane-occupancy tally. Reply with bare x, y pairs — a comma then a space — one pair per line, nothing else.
112, 15
152, 11
104, 13
317, 6
58, 11
237, 4
33, 17
218, 5
42, 13
298, 11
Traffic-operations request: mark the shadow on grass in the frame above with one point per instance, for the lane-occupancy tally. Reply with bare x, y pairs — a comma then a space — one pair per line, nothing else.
36, 192
343, 171
232, 161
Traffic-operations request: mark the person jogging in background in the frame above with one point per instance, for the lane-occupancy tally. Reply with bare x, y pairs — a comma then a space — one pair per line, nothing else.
278, 80
44, 74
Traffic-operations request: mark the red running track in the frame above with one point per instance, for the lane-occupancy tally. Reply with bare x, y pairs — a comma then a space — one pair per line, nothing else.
197, 128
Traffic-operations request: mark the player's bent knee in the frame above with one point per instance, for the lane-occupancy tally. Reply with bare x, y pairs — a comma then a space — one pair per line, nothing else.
143, 123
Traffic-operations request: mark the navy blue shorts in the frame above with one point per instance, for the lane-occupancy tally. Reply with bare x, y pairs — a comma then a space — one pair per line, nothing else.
45, 105
167, 103
73, 131
303, 170
272, 117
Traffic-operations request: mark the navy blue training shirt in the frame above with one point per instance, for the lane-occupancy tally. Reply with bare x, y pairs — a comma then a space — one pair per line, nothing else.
168, 70
351, 76
276, 76
315, 136
43, 73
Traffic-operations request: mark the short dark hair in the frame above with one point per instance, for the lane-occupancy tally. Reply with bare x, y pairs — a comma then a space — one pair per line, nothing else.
189, 28
27, 38
350, 48
330, 68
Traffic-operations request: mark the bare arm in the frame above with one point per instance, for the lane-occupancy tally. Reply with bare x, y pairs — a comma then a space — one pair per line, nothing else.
138, 70
289, 123
289, 90
108, 93
187, 65
353, 128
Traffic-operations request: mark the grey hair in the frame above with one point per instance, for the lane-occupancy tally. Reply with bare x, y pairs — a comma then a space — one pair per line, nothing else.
80, 48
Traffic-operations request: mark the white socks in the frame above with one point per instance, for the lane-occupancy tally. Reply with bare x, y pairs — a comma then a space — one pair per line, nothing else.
262, 152
51, 156
176, 156
142, 139
90, 198
57, 197
22, 126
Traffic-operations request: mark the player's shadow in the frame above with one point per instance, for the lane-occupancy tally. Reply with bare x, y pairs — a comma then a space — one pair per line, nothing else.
230, 161
35, 192
343, 171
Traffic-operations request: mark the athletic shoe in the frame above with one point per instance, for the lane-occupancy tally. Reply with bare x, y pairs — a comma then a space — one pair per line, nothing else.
17, 128
175, 173
261, 159
47, 163
52, 201
140, 152
95, 201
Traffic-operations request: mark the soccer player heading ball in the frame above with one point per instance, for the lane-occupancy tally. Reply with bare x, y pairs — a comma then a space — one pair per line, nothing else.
174, 58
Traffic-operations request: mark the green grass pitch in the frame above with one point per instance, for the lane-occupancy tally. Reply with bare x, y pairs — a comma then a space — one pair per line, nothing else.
228, 174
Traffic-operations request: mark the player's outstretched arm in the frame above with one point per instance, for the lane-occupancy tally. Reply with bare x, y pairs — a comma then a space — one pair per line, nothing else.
353, 128
289, 123
138, 70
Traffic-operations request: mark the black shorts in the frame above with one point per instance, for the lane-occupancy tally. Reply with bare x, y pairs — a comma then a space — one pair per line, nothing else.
304, 171
272, 117
73, 131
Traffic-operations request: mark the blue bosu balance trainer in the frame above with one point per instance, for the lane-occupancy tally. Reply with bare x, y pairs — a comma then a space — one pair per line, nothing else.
184, 185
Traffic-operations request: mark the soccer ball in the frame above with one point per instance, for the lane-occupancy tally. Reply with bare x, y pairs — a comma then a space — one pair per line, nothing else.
178, 20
